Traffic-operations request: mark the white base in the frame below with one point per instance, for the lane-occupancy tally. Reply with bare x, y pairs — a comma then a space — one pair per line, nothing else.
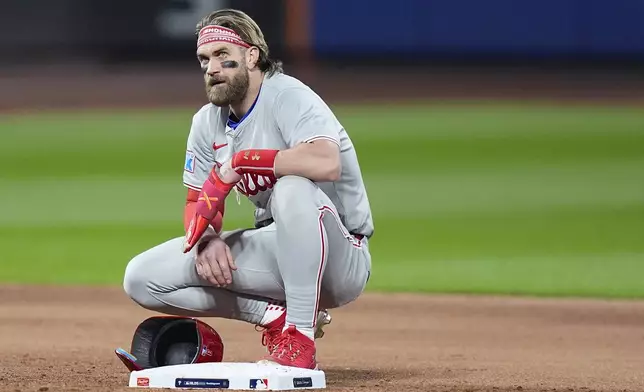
228, 375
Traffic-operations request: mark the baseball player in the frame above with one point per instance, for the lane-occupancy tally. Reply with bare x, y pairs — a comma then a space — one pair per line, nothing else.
271, 138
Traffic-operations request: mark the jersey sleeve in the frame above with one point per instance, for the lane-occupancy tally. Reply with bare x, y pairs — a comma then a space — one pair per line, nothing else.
199, 156
302, 117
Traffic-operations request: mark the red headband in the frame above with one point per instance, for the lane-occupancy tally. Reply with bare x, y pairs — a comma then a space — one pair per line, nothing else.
219, 34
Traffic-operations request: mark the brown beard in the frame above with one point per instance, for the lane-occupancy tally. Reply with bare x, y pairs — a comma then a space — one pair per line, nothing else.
233, 90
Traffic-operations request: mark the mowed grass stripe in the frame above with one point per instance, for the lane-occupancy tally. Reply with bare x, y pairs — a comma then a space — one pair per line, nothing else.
109, 200
593, 275
413, 139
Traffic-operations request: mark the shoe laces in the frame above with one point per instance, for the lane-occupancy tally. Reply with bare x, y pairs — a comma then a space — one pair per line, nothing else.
289, 345
269, 336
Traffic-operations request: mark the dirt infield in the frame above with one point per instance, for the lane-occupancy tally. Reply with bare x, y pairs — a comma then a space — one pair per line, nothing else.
63, 339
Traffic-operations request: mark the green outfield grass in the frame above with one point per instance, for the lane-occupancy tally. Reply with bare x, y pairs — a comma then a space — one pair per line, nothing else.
466, 198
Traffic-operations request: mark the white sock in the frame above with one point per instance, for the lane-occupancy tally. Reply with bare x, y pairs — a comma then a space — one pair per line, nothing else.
308, 332
272, 313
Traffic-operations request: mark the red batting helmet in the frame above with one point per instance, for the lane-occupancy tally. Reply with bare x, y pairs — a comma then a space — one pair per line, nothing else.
171, 340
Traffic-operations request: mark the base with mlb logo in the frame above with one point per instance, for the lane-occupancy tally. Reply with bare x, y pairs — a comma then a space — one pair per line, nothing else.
229, 375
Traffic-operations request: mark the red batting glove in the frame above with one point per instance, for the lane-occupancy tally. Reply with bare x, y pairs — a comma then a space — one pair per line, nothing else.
210, 201
255, 161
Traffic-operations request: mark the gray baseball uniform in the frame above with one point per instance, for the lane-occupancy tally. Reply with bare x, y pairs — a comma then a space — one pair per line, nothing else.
310, 242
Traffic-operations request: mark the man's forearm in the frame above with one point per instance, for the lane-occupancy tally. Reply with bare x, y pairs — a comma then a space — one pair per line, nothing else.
318, 161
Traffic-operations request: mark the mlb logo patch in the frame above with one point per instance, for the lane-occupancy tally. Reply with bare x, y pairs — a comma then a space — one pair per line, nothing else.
260, 383
189, 166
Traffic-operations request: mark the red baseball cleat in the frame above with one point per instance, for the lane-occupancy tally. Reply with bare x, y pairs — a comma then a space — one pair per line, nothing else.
273, 330
294, 349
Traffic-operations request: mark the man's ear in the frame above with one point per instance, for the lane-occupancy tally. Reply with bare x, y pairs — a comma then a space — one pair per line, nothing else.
252, 57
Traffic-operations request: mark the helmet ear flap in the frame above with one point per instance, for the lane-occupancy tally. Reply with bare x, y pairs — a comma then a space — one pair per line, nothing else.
170, 340
210, 343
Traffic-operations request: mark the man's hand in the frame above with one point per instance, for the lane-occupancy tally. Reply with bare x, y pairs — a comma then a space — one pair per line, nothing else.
210, 201
228, 174
215, 262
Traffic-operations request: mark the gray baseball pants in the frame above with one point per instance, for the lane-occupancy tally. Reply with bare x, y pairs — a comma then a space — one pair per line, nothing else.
305, 258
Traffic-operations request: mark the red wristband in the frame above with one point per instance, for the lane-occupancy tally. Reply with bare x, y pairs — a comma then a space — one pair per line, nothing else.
255, 161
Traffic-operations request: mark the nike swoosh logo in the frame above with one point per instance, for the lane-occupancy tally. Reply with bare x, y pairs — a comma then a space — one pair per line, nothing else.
217, 147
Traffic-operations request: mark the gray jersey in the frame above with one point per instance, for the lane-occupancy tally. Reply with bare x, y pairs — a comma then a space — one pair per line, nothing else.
286, 113
305, 258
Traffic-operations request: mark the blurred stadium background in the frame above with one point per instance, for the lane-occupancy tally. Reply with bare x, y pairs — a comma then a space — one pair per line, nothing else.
502, 142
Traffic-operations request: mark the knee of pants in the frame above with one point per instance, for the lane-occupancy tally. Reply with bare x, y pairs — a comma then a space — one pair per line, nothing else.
340, 295
291, 195
136, 282
335, 299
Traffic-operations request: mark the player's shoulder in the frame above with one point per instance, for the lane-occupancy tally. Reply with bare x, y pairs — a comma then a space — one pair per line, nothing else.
281, 86
281, 81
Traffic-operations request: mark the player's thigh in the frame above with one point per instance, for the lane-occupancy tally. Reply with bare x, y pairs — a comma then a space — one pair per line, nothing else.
162, 268
255, 255
165, 268
348, 263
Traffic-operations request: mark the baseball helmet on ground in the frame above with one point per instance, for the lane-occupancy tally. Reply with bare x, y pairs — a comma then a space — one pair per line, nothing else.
171, 340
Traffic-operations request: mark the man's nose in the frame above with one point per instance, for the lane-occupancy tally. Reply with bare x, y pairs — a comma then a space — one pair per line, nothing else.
214, 67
